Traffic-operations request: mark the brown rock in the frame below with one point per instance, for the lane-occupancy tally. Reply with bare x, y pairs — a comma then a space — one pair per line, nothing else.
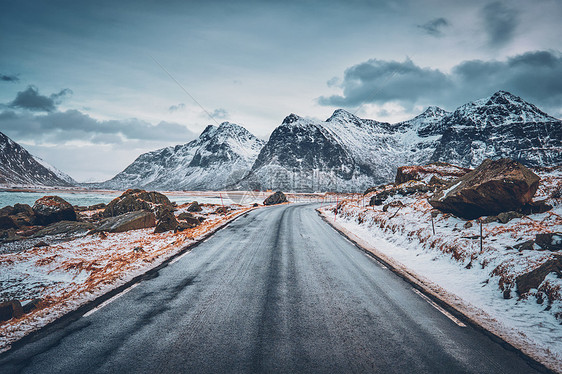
392, 204
8, 222
276, 198
492, 188
534, 278
505, 217
166, 221
66, 228
404, 189
221, 210
135, 200
185, 215
140, 219
10, 309
535, 207
49, 209
189, 221
41, 244
551, 241
440, 170
194, 207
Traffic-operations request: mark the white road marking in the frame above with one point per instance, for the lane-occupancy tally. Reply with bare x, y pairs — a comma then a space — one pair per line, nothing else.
375, 261
110, 300
178, 258
447, 314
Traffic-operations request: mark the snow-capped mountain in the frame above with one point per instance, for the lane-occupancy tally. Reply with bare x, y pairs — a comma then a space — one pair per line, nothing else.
61, 174
348, 153
344, 153
19, 168
502, 125
220, 156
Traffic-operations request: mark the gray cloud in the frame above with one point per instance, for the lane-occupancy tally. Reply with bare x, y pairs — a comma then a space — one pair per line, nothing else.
175, 108
529, 75
435, 26
220, 113
500, 23
379, 81
32, 100
9, 78
73, 125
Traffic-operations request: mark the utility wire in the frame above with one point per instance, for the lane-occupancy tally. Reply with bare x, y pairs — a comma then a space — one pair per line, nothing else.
184, 90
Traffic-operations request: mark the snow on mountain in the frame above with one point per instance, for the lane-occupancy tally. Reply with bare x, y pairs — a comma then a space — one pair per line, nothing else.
19, 168
220, 156
60, 174
348, 153
502, 125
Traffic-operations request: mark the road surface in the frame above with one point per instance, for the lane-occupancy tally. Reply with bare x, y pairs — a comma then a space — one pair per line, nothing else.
276, 291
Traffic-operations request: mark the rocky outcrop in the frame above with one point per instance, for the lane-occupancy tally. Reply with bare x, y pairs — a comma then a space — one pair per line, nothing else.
425, 173
534, 278
492, 188
133, 200
49, 209
139, 219
276, 198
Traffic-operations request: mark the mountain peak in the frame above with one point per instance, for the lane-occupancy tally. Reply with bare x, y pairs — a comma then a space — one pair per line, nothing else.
342, 114
434, 111
290, 119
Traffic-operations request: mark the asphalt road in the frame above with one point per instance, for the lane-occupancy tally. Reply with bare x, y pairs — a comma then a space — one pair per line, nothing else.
276, 291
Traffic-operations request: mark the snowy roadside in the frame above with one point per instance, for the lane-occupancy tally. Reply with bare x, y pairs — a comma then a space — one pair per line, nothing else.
68, 275
451, 266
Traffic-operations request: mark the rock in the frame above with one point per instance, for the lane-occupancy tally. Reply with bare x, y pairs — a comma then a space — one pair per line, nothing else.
505, 217
30, 305
551, 241
10, 309
221, 210
8, 235
404, 189
276, 198
255, 205
41, 244
441, 171
134, 200
535, 207
534, 278
189, 222
185, 216
490, 219
8, 222
467, 225
528, 245
49, 209
97, 206
194, 207
166, 221
23, 209
65, 228
492, 188
140, 219
392, 204
436, 181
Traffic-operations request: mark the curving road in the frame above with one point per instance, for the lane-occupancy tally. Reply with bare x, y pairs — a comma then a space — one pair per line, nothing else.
276, 291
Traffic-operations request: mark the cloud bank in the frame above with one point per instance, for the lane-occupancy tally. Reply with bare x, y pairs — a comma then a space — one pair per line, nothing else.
529, 75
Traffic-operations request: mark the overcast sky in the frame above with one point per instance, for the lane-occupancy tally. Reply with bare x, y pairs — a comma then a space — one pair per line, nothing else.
85, 85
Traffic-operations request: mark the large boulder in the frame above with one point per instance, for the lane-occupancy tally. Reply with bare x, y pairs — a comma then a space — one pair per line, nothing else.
491, 188
49, 209
437, 170
534, 278
551, 241
276, 198
10, 309
133, 200
140, 219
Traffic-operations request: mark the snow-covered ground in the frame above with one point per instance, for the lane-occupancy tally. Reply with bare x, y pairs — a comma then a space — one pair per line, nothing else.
473, 280
66, 275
